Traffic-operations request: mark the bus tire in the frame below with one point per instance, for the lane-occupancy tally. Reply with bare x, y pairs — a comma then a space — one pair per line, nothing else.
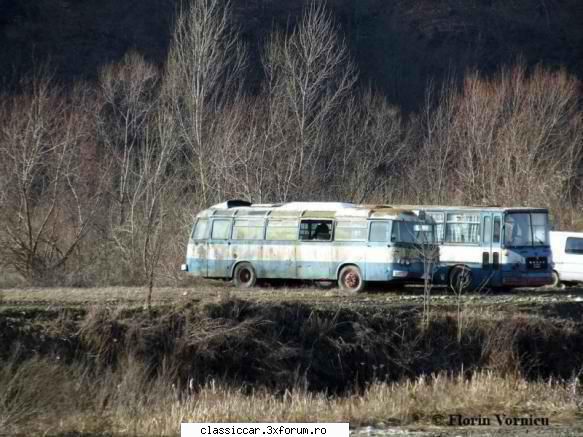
460, 279
350, 279
244, 276
557, 281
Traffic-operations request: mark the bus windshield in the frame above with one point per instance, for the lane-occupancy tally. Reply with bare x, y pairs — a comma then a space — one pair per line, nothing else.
526, 229
411, 232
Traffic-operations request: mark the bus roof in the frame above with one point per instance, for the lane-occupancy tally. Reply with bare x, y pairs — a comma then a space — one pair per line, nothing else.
308, 210
493, 208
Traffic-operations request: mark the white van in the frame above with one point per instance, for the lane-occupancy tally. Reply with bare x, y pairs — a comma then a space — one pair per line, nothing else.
567, 250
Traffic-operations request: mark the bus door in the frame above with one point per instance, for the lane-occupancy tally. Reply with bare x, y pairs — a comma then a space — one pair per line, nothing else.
198, 248
314, 249
379, 254
491, 238
219, 259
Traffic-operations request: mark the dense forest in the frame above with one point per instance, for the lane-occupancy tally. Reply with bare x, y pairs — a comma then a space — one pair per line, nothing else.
120, 120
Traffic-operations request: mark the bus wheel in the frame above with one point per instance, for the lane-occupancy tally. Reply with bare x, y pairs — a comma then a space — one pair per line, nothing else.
557, 281
460, 279
350, 279
244, 276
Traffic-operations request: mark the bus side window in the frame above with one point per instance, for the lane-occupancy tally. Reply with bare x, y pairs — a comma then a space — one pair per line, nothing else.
439, 219
221, 230
283, 230
350, 231
496, 237
201, 230
487, 231
248, 229
379, 232
318, 230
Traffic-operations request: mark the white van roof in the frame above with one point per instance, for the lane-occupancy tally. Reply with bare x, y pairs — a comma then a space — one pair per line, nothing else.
566, 234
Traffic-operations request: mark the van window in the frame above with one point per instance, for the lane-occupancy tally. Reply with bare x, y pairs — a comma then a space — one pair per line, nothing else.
201, 230
350, 231
221, 229
248, 230
379, 232
316, 230
574, 246
283, 230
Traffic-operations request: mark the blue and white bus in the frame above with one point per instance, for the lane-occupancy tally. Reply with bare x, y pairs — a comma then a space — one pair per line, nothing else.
319, 241
491, 246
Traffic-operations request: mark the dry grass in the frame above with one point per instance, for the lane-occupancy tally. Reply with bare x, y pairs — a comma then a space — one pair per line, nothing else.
130, 401
229, 359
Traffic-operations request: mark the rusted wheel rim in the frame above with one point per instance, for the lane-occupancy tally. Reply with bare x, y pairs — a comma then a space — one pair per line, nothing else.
351, 279
245, 276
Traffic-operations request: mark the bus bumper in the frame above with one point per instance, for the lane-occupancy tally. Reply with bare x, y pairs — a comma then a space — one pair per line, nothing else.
400, 273
530, 280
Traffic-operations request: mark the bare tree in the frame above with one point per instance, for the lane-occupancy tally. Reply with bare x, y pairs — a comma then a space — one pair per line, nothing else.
128, 92
46, 210
203, 76
369, 144
428, 251
309, 76
152, 191
515, 139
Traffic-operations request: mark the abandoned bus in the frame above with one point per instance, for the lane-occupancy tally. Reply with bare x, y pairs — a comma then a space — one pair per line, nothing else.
320, 241
491, 246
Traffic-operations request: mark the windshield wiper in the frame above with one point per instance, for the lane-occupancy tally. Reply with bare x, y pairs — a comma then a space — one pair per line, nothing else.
540, 242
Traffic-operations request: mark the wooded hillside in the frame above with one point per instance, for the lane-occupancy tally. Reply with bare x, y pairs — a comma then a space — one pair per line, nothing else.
105, 160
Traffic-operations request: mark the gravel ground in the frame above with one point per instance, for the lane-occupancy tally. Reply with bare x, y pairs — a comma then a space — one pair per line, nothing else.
566, 303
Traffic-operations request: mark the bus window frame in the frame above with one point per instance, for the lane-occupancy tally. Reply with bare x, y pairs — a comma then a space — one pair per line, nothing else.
387, 222
206, 237
449, 222
229, 234
350, 240
278, 220
327, 221
241, 219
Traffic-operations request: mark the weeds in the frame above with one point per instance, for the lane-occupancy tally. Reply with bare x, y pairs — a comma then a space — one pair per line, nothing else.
133, 400
236, 360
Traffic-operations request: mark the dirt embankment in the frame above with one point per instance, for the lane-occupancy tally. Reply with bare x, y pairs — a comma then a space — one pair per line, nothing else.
285, 345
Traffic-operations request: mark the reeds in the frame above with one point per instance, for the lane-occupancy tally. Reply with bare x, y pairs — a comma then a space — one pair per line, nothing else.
40, 395
124, 370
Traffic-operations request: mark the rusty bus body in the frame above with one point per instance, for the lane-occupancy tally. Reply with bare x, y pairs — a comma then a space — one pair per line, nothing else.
320, 241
